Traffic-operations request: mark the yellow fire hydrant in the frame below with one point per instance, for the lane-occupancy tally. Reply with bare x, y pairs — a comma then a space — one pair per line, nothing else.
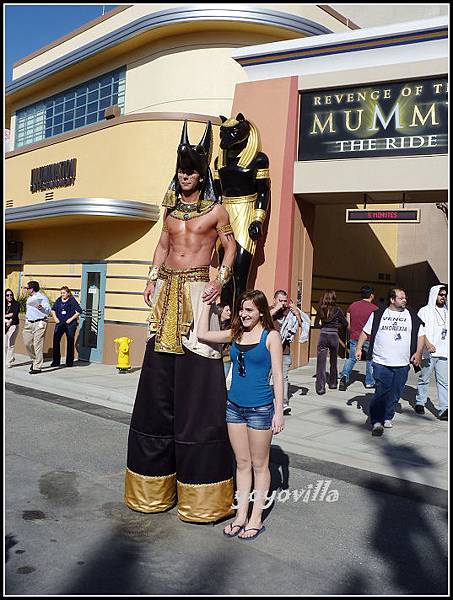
124, 363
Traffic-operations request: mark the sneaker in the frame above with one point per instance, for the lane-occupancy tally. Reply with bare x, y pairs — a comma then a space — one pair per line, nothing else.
377, 429
34, 371
419, 409
388, 424
369, 386
286, 409
343, 385
444, 415
54, 364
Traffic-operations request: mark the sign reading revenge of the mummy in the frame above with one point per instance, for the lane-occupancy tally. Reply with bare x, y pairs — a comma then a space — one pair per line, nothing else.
388, 119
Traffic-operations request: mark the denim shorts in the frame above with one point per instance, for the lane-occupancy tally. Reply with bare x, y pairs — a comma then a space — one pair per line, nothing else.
259, 417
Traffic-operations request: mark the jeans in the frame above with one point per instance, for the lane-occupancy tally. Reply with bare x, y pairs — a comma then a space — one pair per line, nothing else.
60, 330
286, 366
440, 367
258, 417
350, 363
328, 342
390, 382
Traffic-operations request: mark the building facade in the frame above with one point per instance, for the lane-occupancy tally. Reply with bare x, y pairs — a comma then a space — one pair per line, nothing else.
94, 120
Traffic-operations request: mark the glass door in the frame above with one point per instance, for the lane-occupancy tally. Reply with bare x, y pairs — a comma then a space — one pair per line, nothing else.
92, 295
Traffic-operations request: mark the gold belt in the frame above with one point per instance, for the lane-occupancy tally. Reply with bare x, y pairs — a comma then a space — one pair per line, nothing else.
238, 199
171, 316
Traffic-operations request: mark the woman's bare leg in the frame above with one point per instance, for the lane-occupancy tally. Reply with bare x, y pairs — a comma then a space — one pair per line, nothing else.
259, 444
239, 439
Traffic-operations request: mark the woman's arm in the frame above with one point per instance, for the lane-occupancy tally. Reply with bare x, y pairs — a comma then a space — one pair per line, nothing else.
317, 319
74, 317
275, 347
203, 333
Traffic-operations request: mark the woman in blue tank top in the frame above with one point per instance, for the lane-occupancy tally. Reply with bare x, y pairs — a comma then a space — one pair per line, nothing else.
256, 351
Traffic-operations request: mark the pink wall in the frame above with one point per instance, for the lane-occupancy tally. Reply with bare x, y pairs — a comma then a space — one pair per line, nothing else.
272, 105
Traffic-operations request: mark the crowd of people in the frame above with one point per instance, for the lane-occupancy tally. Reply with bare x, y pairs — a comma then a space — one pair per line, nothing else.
255, 344
187, 415
65, 312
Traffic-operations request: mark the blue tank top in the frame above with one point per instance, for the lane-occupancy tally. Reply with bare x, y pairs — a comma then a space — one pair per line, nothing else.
253, 389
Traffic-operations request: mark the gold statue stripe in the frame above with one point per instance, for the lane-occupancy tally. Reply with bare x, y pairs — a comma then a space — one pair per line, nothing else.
149, 494
205, 502
259, 215
262, 174
239, 199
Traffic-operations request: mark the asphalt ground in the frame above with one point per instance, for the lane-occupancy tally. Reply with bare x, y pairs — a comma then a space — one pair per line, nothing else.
68, 531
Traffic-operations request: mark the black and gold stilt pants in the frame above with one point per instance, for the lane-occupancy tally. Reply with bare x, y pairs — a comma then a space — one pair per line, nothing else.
178, 448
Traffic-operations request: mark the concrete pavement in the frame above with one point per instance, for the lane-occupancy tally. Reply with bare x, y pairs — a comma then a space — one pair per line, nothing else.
69, 532
329, 430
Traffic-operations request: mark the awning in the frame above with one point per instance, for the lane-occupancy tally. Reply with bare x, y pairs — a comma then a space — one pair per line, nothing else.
79, 210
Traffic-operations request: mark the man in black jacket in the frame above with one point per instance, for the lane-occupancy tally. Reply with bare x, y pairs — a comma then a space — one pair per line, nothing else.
397, 337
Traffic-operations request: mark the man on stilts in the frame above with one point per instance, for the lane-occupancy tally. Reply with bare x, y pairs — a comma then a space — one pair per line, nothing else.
178, 448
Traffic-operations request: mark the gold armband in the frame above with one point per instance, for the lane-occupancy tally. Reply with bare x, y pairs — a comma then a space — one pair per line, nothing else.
152, 274
224, 275
224, 229
259, 215
262, 174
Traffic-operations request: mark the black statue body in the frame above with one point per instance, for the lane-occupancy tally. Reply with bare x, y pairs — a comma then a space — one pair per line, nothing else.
242, 179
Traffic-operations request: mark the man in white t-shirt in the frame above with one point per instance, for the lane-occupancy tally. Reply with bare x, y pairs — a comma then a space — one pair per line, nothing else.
435, 354
396, 339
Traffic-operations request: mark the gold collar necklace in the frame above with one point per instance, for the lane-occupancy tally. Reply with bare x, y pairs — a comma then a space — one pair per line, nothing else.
185, 211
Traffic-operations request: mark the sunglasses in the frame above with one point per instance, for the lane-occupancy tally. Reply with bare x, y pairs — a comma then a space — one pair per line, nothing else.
241, 364
8, 294
443, 295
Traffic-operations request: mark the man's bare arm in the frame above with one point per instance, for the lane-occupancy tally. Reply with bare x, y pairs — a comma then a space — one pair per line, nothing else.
362, 339
228, 242
160, 254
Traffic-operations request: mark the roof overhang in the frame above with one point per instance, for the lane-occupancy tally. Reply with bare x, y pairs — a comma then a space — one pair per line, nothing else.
71, 211
195, 16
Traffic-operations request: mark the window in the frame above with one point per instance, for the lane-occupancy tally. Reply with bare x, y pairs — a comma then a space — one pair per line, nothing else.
74, 108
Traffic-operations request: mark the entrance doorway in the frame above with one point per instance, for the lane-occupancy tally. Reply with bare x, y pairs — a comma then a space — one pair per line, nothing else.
91, 338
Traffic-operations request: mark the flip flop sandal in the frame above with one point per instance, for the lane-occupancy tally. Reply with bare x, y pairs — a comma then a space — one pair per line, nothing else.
230, 535
252, 537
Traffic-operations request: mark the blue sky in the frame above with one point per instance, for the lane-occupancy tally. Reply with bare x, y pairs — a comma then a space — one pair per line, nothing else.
29, 27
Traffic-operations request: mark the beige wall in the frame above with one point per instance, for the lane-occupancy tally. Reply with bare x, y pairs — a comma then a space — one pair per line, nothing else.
422, 258
59, 261
372, 15
111, 331
130, 161
409, 173
193, 73
137, 11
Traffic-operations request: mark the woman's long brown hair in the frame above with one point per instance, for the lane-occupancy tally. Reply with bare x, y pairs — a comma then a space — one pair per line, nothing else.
327, 304
260, 301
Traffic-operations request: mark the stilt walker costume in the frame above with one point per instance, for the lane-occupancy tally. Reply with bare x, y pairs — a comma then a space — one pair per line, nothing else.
178, 448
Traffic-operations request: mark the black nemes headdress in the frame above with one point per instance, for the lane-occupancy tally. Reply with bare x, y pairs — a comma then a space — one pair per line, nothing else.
194, 158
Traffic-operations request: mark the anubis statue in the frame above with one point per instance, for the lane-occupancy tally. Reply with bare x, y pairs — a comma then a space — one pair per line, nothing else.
241, 177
